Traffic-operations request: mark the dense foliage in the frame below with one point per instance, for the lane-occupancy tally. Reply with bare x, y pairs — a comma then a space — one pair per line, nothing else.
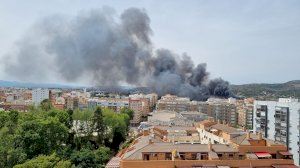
51, 138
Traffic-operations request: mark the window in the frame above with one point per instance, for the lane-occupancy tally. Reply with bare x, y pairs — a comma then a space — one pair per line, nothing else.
230, 156
146, 157
204, 157
168, 156
182, 156
220, 155
194, 156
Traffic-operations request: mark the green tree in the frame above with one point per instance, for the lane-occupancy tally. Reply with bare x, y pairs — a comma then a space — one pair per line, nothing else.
46, 105
3, 118
12, 123
117, 128
41, 136
98, 125
87, 158
9, 155
128, 111
61, 115
43, 161
70, 120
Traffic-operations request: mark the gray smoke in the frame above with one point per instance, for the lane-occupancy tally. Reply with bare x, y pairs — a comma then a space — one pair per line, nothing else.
109, 50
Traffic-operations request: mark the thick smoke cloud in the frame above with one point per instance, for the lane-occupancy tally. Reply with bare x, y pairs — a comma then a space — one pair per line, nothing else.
111, 50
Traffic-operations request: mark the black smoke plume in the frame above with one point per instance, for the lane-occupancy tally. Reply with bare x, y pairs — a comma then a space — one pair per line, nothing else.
108, 50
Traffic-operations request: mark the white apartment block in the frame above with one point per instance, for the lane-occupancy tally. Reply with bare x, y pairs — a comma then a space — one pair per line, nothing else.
279, 121
38, 95
112, 103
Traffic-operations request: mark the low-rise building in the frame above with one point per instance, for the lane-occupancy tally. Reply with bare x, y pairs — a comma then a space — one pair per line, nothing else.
185, 118
177, 134
242, 149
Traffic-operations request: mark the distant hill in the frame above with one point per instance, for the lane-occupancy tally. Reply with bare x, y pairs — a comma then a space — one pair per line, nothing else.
33, 85
268, 91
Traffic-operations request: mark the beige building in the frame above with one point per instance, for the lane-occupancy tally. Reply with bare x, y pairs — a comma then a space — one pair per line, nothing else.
178, 104
71, 103
115, 104
245, 113
141, 107
220, 109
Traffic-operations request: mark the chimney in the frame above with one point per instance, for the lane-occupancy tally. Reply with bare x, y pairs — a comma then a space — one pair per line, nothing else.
150, 140
209, 146
145, 132
259, 135
219, 121
248, 135
244, 128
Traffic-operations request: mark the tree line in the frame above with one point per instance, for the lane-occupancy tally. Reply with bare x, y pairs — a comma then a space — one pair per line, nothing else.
45, 137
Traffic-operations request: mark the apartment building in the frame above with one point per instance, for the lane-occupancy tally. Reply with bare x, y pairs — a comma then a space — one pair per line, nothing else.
245, 112
241, 150
38, 95
178, 104
141, 107
72, 102
115, 104
220, 109
279, 120
152, 98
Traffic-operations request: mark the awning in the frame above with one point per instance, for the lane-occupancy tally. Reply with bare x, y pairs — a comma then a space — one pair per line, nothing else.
263, 154
286, 153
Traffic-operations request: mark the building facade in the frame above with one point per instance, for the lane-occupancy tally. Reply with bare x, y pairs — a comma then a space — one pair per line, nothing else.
279, 120
220, 109
115, 104
245, 113
242, 149
38, 95
178, 104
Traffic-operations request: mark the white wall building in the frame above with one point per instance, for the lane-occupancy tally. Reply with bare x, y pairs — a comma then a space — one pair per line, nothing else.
38, 95
112, 103
279, 121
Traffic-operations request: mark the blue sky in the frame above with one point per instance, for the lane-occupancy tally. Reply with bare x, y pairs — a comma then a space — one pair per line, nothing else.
241, 41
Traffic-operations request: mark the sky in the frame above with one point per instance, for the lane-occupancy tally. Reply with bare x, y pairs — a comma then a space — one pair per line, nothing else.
255, 41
